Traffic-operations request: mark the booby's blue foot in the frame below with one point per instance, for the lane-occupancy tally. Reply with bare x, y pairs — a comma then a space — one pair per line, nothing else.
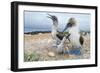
73, 52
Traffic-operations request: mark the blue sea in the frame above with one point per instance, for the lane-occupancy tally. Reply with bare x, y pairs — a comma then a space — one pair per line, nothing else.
38, 21
34, 30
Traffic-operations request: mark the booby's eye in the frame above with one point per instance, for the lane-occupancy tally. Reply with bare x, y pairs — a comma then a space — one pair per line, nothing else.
54, 17
72, 21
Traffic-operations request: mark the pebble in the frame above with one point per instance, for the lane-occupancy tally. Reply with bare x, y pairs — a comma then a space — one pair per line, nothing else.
51, 54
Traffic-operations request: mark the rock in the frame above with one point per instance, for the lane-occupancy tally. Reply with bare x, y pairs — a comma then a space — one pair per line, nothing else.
39, 33
51, 54
66, 56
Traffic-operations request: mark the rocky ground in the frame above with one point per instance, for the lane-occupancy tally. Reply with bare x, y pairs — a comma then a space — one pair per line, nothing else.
38, 47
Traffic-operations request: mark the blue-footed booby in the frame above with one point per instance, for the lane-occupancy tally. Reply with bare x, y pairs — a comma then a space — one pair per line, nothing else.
75, 38
57, 36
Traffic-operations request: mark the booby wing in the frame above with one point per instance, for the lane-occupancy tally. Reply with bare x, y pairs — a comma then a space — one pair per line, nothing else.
81, 40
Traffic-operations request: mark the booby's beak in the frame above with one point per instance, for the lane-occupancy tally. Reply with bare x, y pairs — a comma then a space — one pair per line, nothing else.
65, 29
49, 16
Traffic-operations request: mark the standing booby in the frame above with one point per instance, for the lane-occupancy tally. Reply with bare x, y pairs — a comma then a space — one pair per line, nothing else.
76, 39
54, 31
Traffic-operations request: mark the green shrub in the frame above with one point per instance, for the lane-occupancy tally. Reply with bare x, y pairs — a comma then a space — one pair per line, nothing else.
29, 57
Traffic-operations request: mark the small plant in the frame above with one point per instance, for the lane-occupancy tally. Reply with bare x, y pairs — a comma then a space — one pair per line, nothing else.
65, 33
29, 57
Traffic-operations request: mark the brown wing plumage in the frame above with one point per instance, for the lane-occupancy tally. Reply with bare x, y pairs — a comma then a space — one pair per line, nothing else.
81, 39
60, 35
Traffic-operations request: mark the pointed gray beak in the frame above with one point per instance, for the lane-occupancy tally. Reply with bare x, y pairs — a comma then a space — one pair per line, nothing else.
66, 27
49, 16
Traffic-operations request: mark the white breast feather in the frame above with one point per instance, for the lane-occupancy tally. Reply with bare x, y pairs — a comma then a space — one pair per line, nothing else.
74, 35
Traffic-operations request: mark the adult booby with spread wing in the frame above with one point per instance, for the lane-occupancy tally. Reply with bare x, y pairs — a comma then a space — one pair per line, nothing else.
58, 37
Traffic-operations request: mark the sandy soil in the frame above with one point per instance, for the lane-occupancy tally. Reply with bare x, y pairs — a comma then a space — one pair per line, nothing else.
41, 44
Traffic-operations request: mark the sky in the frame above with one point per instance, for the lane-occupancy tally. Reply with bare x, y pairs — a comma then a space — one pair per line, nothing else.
38, 21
